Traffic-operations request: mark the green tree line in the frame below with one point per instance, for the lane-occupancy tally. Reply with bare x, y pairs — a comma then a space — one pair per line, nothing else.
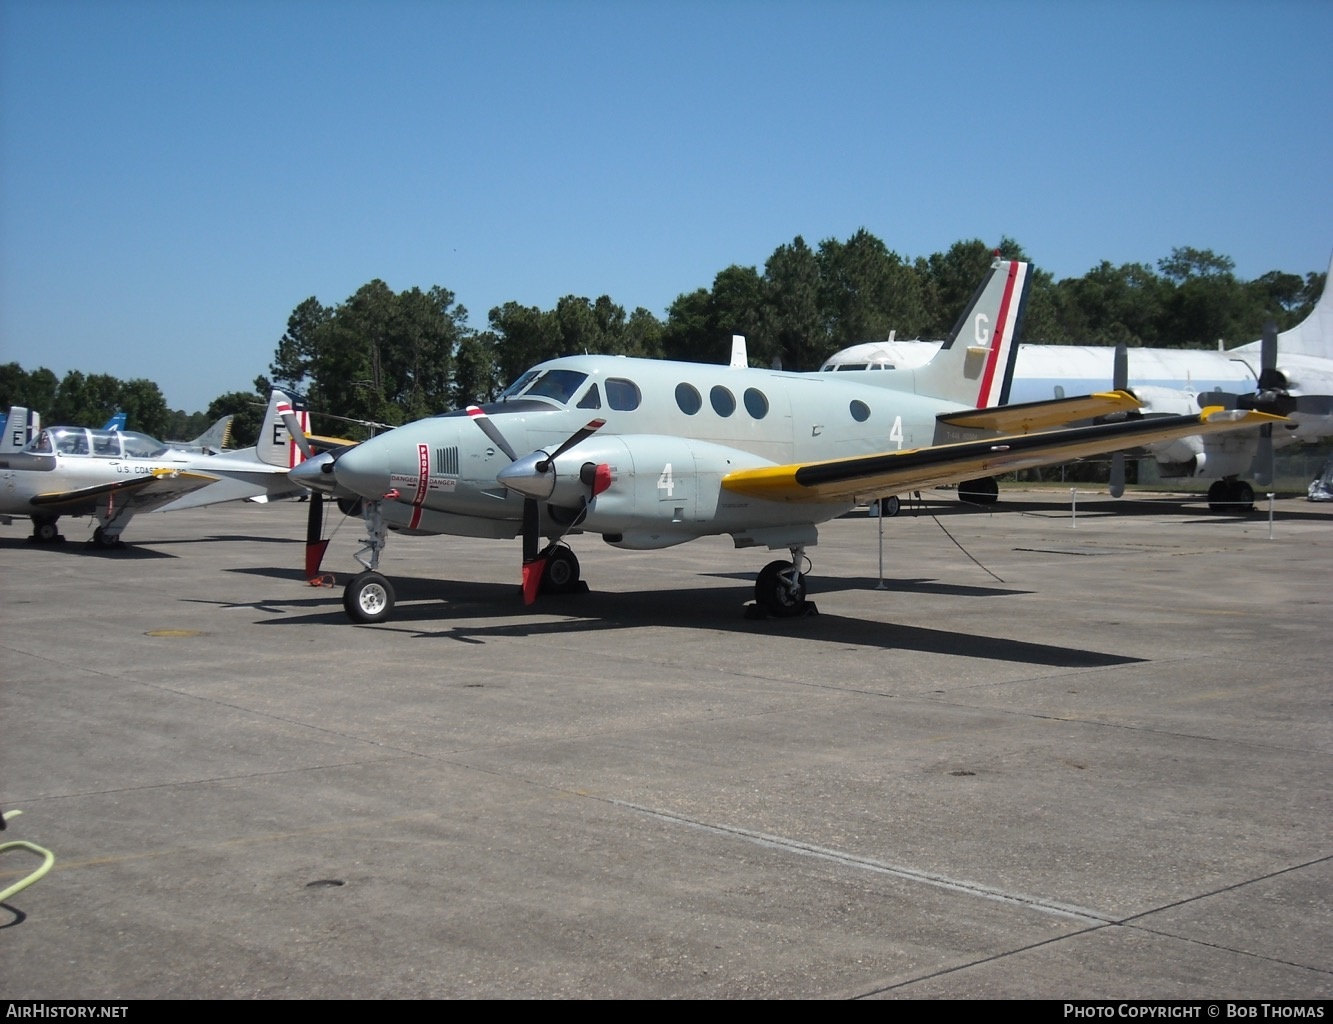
392, 357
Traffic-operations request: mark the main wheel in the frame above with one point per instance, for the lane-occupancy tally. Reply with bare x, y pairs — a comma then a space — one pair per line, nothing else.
985, 491
774, 596
888, 507
561, 575
45, 531
368, 598
1218, 496
102, 539
1243, 496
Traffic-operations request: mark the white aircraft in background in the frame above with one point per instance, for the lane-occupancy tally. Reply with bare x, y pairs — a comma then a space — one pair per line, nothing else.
650, 453
1289, 374
115, 474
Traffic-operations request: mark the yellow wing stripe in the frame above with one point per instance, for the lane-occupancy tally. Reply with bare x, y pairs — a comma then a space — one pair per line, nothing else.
1057, 412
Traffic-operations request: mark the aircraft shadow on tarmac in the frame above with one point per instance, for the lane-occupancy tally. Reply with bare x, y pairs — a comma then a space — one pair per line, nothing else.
425, 607
82, 548
132, 549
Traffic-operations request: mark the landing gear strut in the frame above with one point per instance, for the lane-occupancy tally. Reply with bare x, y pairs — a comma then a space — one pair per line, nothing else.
780, 589
368, 596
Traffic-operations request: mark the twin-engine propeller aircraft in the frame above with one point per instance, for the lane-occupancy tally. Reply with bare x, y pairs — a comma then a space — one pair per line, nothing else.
650, 453
114, 474
1289, 374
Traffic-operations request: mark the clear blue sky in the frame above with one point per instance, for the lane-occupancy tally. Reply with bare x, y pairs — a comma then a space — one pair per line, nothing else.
176, 177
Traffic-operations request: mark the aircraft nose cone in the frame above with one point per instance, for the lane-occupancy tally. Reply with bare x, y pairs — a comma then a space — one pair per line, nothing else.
365, 469
526, 478
314, 473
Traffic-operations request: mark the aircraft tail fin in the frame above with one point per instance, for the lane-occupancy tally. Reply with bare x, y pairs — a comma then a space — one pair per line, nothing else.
116, 422
215, 438
276, 445
975, 365
1313, 336
16, 434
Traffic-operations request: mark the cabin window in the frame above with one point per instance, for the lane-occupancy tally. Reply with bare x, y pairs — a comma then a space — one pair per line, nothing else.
688, 399
622, 395
592, 400
756, 404
41, 445
724, 402
852, 366
860, 411
518, 385
141, 446
72, 442
106, 445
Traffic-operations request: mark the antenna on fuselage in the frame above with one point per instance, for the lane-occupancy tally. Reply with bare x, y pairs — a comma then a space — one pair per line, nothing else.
740, 358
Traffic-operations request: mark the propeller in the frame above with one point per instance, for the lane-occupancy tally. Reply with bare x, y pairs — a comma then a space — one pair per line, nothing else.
1119, 382
315, 473
533, 476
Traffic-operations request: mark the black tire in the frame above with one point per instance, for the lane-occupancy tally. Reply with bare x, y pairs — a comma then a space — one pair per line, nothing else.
561, 575
985, 491
101, 540
45, 531
368, 598
889, 507
772, 594
1218, 496
1243, 497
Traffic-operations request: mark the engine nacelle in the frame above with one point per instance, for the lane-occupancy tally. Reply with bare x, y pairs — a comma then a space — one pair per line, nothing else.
658, 489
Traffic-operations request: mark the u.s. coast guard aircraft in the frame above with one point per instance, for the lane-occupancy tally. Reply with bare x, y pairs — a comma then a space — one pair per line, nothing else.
1290, 373
650, 453
113, 475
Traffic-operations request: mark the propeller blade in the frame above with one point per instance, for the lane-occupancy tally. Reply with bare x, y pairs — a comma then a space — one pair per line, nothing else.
1263, 457
580, 435
492, 431
315, 544
1268, 372
533, 567
294, 429
1120, 368
1117, 474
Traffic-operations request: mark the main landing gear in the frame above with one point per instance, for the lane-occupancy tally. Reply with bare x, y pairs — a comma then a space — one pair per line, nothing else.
1231, 495
561, 575
780, 589
45, 531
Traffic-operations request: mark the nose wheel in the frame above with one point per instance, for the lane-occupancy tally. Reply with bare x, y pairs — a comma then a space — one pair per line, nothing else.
368, 598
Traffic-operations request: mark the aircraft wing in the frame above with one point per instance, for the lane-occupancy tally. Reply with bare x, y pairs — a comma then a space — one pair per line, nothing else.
320, 443
1026, 417
912, 469
143, 493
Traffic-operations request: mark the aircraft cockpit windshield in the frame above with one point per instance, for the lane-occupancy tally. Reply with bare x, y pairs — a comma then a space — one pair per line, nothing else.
557, 385
101, 444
